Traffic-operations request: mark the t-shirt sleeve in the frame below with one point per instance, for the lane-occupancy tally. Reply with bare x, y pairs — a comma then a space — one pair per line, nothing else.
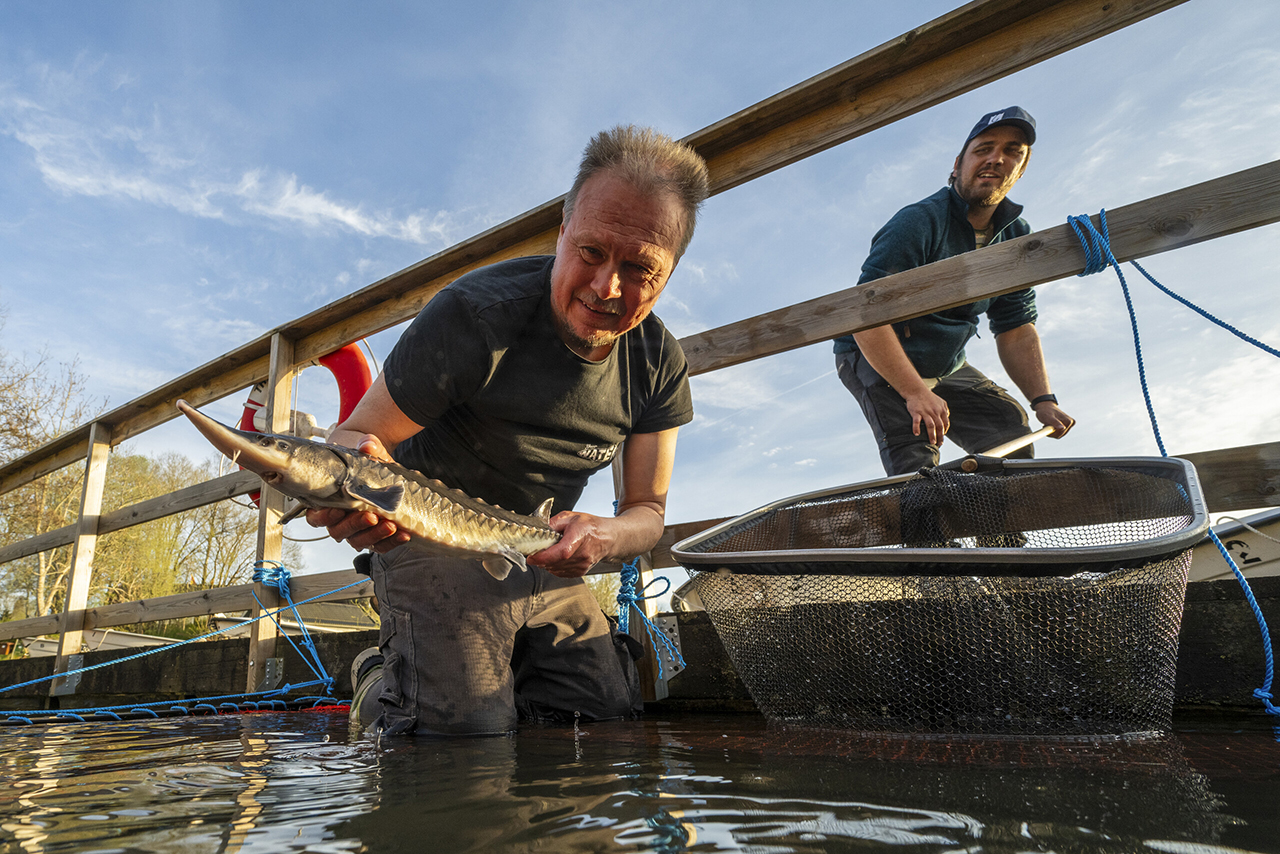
1009, 311
670, 402
442, 358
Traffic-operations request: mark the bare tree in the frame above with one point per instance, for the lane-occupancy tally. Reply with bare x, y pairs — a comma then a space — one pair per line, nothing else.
38, 401
211, 546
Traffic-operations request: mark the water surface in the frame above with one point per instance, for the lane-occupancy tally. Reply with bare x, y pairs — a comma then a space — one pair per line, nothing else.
273, 782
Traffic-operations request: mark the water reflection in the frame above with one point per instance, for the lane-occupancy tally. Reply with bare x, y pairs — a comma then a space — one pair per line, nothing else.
274, 782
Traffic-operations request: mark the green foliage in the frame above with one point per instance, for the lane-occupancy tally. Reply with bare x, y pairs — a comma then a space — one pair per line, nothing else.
605, 588
211, 546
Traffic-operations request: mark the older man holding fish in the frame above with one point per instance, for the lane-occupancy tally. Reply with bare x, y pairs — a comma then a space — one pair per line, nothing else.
514, 384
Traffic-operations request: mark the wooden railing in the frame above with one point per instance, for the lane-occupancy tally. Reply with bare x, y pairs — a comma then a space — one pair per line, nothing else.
973, 45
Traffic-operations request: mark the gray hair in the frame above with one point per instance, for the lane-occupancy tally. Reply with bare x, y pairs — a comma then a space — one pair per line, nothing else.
653, 163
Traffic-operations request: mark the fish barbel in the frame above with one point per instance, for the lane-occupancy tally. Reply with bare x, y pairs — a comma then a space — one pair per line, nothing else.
436, 517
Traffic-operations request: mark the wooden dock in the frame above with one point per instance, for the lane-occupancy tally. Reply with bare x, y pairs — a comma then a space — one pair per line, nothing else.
969, 47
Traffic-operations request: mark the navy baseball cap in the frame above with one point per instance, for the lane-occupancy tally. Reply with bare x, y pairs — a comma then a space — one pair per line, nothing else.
1015, 116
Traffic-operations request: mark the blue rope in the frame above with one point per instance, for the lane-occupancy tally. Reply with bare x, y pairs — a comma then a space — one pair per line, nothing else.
201, 703
629, 577
177, 644
275, 574
1263, 693
627, 599
1097, 250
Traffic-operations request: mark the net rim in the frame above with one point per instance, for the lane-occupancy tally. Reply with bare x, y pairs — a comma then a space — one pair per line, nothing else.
859, 560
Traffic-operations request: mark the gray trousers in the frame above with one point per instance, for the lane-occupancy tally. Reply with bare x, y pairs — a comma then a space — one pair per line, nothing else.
465, 653
983, 414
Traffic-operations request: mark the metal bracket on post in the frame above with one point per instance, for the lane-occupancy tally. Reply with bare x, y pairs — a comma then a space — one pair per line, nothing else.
668, 663
66, 685
273, 676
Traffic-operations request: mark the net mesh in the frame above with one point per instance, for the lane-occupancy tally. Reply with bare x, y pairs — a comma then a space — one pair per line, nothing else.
1036, 603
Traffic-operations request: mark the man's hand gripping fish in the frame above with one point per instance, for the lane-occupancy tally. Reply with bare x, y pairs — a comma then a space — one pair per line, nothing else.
437, 518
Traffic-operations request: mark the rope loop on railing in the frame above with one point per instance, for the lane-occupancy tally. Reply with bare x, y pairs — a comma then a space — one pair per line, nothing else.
1098, 255
273, 573
627, 599
628, 596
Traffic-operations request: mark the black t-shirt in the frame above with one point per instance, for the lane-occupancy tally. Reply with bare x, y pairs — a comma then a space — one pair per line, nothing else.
511, 414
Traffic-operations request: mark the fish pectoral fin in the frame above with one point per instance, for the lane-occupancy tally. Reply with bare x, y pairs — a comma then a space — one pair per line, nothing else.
544, 511
499, 565
293, 513
386, 498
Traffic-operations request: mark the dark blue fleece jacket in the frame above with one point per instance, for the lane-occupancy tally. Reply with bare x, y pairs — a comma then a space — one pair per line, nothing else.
930, 230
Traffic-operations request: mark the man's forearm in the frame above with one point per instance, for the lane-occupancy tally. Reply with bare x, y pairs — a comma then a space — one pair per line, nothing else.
882, 350
637, 531
1023, 359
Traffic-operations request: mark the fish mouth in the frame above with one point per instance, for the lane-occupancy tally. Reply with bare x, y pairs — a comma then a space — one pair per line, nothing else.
252, 451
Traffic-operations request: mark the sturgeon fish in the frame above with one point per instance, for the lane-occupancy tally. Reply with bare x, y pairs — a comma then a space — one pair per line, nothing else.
437, 518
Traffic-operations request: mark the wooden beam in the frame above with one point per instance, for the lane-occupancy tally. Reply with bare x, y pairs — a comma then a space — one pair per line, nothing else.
30, 627
1216, 208
39, 543
58, 453
218, 489
71, 627
178, 606
318, 584
968, 47
1238, 478
196, 603
212, 381
949, 56
271, 506
211, 491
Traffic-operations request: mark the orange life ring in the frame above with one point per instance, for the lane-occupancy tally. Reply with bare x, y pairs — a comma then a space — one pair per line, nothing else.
349, 368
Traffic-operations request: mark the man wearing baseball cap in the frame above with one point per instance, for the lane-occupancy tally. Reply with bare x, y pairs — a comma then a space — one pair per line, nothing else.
912, 379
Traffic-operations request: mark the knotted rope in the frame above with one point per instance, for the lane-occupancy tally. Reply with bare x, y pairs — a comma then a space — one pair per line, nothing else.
628, 596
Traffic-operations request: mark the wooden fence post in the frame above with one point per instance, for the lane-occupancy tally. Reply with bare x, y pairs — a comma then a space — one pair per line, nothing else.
271, 505
71, 627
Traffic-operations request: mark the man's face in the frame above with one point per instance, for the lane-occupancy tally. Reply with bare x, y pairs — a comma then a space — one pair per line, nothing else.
991, 164
613, 258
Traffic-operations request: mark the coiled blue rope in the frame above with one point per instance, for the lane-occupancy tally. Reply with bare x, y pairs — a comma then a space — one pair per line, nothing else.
1098, 256
628, 596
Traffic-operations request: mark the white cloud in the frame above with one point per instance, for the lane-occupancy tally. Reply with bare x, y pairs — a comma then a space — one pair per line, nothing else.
79, 153
281, 197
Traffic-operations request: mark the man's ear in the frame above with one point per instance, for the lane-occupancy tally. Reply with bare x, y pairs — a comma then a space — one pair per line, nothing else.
1025, 161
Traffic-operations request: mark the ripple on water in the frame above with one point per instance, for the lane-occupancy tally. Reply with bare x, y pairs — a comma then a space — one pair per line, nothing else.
299, 782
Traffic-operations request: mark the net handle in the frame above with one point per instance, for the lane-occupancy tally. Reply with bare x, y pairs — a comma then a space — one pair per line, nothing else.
1020, 442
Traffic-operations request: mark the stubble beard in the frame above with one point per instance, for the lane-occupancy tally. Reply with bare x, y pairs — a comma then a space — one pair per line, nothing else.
989, 199
977, 198
596, 339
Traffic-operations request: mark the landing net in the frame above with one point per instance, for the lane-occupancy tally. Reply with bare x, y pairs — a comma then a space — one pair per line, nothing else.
1030, 597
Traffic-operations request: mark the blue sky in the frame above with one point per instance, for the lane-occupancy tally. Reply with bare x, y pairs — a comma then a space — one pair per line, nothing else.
179, 178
